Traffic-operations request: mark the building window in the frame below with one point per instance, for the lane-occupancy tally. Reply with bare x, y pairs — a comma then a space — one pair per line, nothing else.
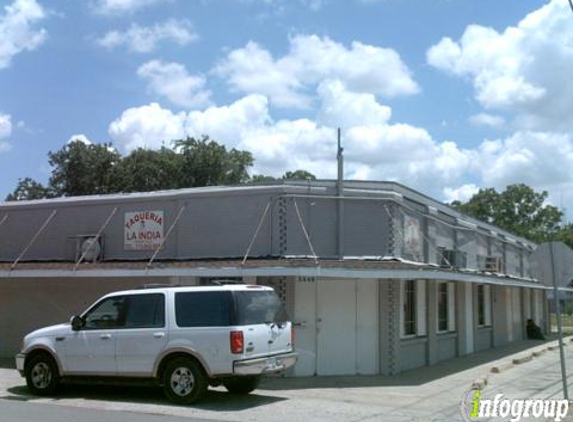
409, 307
443, 306
483, 305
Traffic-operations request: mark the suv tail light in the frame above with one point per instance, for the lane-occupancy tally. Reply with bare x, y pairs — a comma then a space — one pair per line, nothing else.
237, 342
292, 335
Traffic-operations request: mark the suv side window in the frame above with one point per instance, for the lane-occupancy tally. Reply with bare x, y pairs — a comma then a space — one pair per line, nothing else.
203, 309
109, 313
145, 311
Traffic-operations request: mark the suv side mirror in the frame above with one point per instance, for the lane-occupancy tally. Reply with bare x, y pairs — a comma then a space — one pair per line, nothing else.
76, 323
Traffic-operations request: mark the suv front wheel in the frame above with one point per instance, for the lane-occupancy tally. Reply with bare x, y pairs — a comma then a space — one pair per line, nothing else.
242, 385
184, 381
42, 375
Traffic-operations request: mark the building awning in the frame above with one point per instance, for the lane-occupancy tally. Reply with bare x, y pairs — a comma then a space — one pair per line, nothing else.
292, 267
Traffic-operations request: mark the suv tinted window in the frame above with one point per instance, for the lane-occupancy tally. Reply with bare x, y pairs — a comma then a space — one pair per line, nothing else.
145, 311
202, 309
258, 307
109, 313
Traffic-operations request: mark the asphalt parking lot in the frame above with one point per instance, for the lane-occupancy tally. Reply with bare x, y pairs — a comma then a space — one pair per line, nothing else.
426, 394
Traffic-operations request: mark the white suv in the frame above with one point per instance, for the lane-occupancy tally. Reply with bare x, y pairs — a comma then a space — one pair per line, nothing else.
183, 338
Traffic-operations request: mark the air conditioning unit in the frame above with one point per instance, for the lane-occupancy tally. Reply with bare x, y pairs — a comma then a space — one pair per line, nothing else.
90, 247
493, 264
451, 258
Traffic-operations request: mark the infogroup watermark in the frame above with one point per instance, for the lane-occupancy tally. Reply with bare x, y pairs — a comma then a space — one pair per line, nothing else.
475, 407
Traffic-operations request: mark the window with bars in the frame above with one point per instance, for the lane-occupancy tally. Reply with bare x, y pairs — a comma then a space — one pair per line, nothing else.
410, 307
443, 306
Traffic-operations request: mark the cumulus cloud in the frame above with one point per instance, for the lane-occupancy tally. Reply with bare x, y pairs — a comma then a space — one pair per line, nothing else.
5, 132
311, 59
18, 30
121, 7
80, 137
141, 39
486, 119
172, 81
522, 69
5, 126
462, 193
148, 126
375, 148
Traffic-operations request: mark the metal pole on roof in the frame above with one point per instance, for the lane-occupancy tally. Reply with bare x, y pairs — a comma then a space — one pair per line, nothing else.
166, 236
97, 236
340, 192
558, 316
40, 230
256, 232
4, 219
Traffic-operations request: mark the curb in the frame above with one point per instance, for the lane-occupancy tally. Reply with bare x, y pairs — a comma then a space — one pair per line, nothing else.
524, 359
504, 366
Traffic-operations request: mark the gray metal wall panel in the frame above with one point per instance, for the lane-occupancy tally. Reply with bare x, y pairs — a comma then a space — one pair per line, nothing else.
323, 222
468, 244
513, 260
216, 227
366, 230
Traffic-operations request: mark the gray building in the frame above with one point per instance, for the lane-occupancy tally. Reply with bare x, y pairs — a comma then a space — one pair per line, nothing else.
378, 277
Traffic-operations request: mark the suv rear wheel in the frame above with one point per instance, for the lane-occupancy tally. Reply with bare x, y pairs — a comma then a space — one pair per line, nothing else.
184, 381
42, 375
242, 385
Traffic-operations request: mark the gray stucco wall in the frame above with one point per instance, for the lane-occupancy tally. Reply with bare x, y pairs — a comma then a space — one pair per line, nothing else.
413, 353
37, 303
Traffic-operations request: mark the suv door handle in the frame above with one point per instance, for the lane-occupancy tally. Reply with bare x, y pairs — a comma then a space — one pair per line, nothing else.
158, 335
105, 336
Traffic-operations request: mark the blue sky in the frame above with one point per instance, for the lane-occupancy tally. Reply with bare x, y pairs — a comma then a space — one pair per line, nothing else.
445, 96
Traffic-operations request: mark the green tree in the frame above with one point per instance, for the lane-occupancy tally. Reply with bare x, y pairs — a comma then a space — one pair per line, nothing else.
262, 178
299, 175
518, 209
207, 163
83, 169
28, 188
145, 170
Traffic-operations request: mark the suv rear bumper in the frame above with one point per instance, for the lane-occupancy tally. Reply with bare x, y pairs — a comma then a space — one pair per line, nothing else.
20, 360
266, 365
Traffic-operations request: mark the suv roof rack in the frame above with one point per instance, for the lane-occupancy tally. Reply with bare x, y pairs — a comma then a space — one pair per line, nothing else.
156, 286
224, 282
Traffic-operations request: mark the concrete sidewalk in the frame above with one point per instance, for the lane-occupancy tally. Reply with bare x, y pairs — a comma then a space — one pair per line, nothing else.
426, 394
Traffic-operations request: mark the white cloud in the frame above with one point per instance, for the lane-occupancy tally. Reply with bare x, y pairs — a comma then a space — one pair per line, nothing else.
79, 137
5, 126
141, 39
171, 80
540, 159
341, 108
462, 193
486, 119
310, 60
374, 147
120, 7
522, 69
17, 29
148, 126
5, 132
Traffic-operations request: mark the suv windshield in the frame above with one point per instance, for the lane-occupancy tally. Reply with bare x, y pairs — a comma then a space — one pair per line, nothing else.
258, 308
